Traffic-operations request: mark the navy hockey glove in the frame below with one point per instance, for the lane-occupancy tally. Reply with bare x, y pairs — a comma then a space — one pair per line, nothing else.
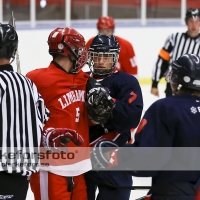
56, 139
99, 105
99, 159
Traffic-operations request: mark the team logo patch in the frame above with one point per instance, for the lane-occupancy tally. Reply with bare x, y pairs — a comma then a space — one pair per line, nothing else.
193, 110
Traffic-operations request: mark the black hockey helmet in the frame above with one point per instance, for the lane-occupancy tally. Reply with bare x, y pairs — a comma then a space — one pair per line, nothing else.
192, 13
107, 46
185, 71
8, 41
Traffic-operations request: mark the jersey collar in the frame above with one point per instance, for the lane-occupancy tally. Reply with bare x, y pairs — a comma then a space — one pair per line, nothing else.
7, 67
196, 38
58, 66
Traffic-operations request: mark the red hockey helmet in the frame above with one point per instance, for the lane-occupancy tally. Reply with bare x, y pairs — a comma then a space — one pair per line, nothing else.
68, 41
105, 23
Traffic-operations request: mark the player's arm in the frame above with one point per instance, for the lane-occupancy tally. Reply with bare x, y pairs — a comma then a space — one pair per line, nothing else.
152, 132
128, 105
42, 112
99, 103
162, 64
144, 154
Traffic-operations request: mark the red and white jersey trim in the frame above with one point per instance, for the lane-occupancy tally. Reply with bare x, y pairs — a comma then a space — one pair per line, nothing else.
70, 170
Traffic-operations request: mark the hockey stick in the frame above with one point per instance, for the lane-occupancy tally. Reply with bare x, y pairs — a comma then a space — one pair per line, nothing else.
117, 186
12, 22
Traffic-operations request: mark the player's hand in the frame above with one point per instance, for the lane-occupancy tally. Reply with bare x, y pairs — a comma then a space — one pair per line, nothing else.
99, 105
100, 99
56, 139
155, 91
101, 154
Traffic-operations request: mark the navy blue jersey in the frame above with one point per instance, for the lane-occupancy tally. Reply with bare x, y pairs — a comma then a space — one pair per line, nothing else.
126, 115
170, 122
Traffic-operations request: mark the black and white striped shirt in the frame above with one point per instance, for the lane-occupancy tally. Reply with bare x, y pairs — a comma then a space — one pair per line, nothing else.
22, 117
175, 46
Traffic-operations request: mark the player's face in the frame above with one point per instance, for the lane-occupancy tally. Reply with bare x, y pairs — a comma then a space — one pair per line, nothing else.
102, 61
193, 25
108, 32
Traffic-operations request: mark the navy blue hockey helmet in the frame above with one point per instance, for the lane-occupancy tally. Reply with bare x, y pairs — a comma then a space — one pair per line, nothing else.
185, 71
192, 13
108, 48
8, 41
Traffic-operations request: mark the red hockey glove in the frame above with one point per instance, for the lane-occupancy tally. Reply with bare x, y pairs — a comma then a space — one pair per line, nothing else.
55, 138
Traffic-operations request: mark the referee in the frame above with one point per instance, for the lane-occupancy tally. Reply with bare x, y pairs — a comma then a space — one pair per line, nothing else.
22, 116
175, 46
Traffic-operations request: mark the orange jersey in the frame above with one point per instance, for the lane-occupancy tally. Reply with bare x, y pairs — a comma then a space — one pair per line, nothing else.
64, 95
127, 60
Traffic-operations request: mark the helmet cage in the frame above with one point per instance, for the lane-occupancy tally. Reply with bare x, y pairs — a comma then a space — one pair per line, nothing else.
171, 76
95, 60
80, 54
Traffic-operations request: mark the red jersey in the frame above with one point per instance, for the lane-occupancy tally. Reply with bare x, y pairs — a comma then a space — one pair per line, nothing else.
127, 59
64, 95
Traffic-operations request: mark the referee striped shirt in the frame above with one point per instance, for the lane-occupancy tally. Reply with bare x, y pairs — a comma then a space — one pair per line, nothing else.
175, 46
22, 117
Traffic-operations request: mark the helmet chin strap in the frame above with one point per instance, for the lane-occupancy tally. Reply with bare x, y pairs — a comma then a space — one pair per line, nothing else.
72, 70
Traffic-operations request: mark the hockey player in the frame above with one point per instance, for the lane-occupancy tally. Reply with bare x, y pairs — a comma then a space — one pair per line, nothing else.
67, 92
127, 59
171, 122
126, 92
176, 45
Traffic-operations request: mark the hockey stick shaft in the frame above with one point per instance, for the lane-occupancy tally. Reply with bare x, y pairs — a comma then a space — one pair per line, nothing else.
17, 52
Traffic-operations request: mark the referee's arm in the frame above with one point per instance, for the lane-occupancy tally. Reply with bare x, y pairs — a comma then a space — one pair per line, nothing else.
162, 62
43, 112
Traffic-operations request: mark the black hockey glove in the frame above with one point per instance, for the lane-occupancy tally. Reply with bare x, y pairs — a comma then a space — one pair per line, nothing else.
98, 158
99, 103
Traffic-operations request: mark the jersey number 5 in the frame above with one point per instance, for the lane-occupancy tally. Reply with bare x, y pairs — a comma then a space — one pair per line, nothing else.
77, 115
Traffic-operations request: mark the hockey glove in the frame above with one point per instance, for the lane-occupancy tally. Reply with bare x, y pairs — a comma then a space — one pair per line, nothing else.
98, 158
56, 139
99, 105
